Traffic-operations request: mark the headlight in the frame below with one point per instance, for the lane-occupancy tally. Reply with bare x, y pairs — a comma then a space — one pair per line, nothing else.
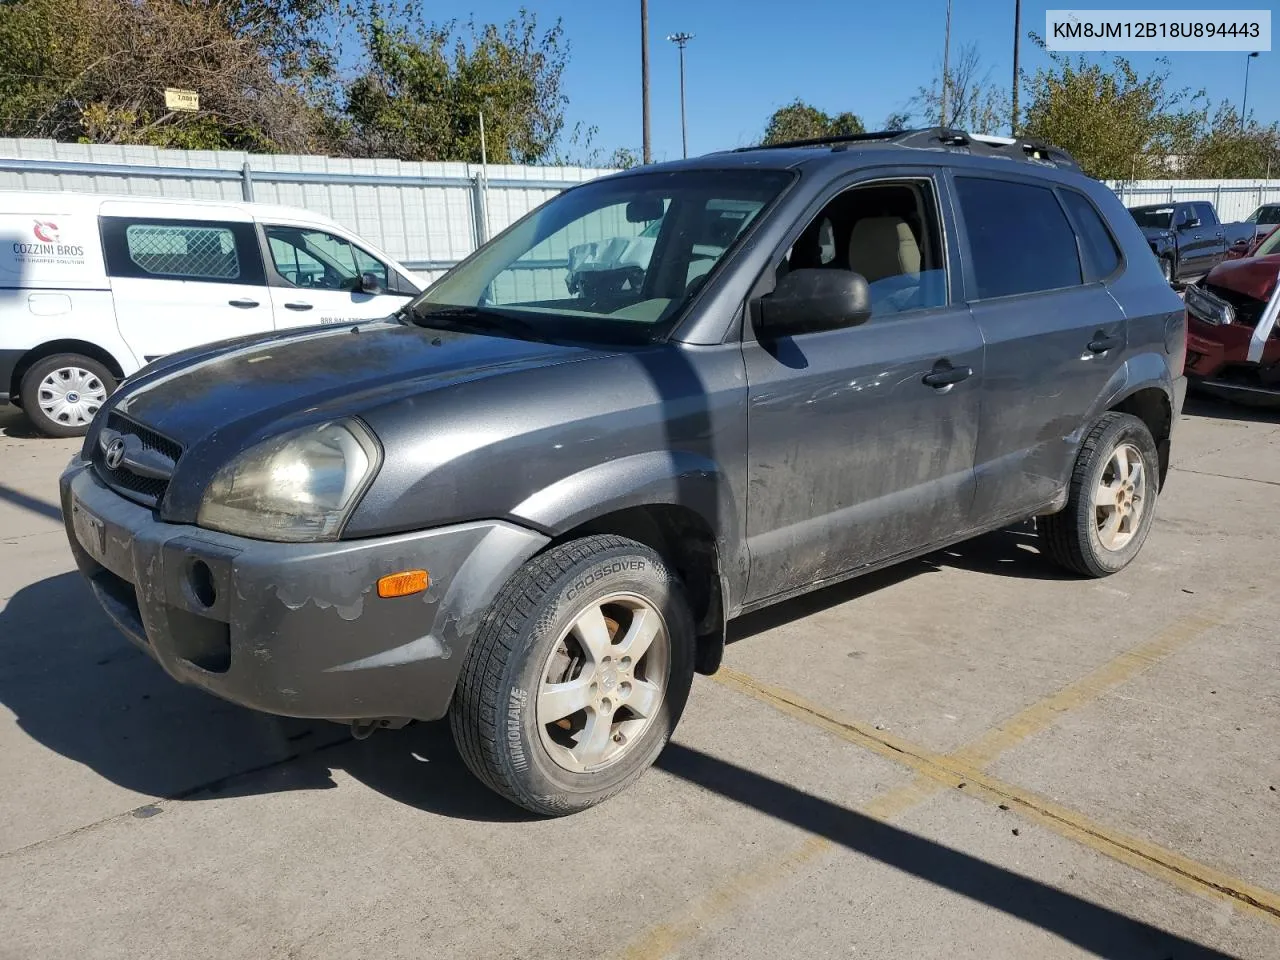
299, 486
1208, 307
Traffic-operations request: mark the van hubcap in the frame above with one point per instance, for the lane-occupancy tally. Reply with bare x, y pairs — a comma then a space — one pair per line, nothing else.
71, 396
603, 683
1120, 498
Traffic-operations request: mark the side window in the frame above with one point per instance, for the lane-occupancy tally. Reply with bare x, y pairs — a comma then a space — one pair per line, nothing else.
1098, 248
888, 233
1019, 238
1208, 216
368, 263
182, 251
314, 259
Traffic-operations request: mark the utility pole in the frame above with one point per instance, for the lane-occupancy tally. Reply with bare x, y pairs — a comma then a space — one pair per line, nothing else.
644, 78
1017, 30
1244, 106
680, 39
946, 68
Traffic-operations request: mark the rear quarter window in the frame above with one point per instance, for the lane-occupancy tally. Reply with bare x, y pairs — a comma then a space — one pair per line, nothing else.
1099, 254
1020, 240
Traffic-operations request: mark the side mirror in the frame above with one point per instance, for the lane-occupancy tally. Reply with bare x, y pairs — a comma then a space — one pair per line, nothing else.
1189, 223
369, 283
808, 300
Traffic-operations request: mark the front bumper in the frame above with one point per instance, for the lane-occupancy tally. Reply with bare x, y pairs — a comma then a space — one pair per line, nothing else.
287, 628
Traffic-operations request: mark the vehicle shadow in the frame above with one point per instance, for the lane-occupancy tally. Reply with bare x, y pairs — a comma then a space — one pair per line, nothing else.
14, 423
1215, 408
75, 685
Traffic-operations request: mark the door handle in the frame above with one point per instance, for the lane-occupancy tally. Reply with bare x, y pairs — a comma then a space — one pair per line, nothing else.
944, 374
243, 303
297, 305
1102, 342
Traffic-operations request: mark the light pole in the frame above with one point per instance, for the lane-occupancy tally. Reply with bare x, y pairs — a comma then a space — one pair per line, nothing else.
680, 39
1017, 28
1244, 106
644, 78
946, 67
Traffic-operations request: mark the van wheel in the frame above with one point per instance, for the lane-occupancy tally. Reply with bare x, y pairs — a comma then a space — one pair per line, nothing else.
577, 676
60, 394
1111, 501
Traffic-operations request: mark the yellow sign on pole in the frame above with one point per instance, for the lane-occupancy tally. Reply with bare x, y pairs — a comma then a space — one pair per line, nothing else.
181, 99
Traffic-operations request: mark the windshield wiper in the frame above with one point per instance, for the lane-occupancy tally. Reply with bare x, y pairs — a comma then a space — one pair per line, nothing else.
476, 318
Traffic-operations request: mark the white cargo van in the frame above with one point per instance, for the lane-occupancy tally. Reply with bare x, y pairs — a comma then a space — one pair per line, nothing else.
94, 287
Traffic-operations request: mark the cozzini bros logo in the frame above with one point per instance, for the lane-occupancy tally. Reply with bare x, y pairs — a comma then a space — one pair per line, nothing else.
48, 245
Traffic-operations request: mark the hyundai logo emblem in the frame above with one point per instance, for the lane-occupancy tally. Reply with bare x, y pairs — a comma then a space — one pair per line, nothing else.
114, 454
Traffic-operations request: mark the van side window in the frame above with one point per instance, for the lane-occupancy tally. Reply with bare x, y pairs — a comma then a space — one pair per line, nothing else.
1098, 248
208, 251
1019, 238
197, 253
888, 233
317, 260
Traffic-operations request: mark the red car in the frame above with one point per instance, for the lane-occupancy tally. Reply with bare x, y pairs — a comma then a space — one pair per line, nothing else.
1233, 342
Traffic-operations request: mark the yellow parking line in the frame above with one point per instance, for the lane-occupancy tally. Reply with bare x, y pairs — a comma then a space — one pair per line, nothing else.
950, 770
934, 772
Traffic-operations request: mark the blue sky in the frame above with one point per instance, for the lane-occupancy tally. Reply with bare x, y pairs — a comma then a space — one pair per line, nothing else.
750, 57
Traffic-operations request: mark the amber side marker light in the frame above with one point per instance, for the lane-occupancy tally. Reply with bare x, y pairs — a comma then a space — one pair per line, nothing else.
404, 583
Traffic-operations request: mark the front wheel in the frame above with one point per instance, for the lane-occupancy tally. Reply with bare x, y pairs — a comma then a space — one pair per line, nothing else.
1111, 501
1166, 268
577, 676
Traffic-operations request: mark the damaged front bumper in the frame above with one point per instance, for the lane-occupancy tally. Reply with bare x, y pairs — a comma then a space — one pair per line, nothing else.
289, 628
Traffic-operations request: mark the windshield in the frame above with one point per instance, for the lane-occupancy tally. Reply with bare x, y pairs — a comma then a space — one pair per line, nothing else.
1268, 214
613, 260
1269, 246
1158, 218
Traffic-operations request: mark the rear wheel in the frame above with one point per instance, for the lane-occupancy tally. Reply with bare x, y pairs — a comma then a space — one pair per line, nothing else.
61, 394
577, 676
1111, 502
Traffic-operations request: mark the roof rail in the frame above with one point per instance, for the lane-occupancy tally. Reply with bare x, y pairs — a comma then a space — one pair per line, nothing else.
1029, 149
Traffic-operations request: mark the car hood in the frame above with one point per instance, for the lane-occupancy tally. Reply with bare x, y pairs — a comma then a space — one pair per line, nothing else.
1253, 276
237, 392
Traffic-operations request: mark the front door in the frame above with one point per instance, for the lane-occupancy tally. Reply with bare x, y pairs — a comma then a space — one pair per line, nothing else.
862, 440
180, 283
318, 277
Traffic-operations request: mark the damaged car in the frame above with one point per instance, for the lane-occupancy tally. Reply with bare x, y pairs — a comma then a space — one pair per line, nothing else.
1233, 342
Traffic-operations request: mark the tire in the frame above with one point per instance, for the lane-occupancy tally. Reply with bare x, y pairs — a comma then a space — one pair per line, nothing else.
1077, 537
528, 639
1166, 269
85, 385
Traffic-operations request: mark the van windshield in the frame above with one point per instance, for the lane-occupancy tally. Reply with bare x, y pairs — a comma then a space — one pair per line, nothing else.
613, 260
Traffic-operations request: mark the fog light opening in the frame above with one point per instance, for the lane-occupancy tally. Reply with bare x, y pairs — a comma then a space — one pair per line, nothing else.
202, 585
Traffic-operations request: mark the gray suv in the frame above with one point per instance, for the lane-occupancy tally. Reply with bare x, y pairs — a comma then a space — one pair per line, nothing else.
534, 510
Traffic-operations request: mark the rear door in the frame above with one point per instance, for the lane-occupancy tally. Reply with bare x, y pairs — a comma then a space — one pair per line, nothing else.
178, 283
319, 276
1039, 261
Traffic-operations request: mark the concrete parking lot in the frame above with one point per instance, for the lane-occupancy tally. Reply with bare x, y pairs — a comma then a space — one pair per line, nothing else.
968, 756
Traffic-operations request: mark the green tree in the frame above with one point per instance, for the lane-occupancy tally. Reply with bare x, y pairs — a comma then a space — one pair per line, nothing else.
95, 71
419, 94
1228, 149
1115, 122
802, 121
